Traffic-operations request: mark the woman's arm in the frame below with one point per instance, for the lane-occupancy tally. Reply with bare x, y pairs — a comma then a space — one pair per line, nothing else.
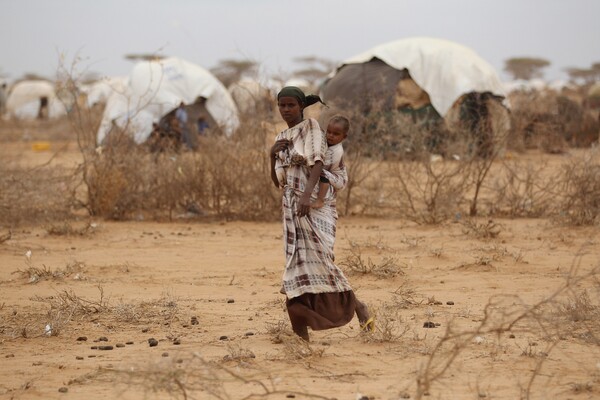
304, 203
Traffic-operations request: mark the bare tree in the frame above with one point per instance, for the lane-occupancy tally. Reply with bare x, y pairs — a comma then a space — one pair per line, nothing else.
584, 74
144, 56
525, 67
230, 71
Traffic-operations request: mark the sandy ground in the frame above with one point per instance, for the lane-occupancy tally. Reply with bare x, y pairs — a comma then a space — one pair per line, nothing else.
208, 292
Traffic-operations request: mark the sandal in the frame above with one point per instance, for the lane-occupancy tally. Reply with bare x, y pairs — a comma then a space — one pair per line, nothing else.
368, 325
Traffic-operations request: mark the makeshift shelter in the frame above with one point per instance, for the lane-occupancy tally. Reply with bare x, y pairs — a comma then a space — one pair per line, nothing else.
99, 91
444, 70
32, 99
155, 88
422, 78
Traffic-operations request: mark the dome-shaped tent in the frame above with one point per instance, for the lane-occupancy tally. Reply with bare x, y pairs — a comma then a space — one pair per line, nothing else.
155, 88
34, 98
443, 69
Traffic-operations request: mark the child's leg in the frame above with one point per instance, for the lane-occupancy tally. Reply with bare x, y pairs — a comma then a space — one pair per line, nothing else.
323, 187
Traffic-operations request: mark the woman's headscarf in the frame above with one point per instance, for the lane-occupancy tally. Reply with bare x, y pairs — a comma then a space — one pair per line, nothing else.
304, 100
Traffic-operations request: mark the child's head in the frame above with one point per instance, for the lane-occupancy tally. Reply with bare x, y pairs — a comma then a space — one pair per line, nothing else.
337, 130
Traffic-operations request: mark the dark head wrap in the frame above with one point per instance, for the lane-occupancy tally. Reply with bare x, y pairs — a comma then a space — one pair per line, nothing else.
304, 100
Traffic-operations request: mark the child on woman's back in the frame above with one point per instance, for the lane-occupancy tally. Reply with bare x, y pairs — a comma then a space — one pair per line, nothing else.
334, 173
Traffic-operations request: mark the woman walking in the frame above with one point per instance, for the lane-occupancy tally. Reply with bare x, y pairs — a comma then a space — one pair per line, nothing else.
318, 293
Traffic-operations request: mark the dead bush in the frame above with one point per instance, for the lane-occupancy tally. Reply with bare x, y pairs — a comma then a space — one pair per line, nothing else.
579, 203
482, 230
223, 177
524, 189
550, 121
386, 266
426, 192
42, 194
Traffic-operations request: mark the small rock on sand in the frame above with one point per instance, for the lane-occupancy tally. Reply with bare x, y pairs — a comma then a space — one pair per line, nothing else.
429, 324
63, 389
152, 342
82, 338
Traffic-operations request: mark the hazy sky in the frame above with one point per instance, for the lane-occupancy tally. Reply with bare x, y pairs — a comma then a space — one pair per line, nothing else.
273, 32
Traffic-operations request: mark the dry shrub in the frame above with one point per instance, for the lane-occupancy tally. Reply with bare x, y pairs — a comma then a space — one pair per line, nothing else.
481, 230
426, 192
66, 228
225, 177
546, 318
550, 121
524, 189
35, 274
238, 353
386, 267
580, 190
389, 326
41, 194
193, 376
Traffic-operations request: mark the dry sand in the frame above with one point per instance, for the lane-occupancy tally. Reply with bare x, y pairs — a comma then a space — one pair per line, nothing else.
155, 277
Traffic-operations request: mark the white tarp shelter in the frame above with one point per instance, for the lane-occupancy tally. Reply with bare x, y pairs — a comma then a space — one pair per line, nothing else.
155, 88
25, 99
98, 92
444, 69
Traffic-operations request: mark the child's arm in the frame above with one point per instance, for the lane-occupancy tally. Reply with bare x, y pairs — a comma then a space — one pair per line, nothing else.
337, 175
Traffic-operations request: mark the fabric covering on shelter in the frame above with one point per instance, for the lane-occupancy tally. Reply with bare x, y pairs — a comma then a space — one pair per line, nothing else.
27, 97
157, 87
444, 69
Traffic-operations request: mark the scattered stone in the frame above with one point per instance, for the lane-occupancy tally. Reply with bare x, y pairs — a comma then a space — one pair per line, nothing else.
511, 336
363, 398
195, 321
179, 361
177, 342
223, 337
428, 324
290, 396
79, 358
82, 339
152, 342
437, 324
249, 333
144, 330
37, 363
103, 339
9, 356
437, 303
91, 356
119, 345
450, 303
94, 347
105, 347
129, 342
63, 389
230, 301
404, 395
165, 354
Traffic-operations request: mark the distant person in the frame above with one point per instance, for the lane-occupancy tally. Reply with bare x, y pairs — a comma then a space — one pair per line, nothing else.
182, 117
202, 126
3, 98
334, 174
43, 111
